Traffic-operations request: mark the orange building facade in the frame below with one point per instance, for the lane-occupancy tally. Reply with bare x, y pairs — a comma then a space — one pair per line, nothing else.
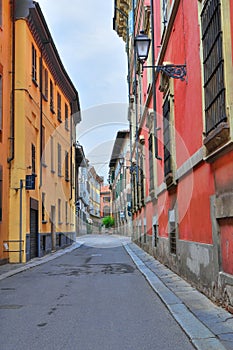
39, 113
5, 117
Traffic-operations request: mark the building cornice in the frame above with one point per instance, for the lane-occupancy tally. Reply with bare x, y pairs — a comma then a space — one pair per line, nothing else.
121, 13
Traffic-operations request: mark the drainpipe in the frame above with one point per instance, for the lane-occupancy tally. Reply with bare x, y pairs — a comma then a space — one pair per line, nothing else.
12, 115
153, 78
136, 104
41, 121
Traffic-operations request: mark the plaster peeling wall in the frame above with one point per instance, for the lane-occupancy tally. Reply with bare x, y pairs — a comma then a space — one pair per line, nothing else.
198, 256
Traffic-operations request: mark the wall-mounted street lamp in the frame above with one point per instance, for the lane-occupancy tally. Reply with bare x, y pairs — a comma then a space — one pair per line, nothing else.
142, 45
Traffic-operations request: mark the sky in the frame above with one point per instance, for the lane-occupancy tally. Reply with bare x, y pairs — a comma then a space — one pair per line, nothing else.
95, 59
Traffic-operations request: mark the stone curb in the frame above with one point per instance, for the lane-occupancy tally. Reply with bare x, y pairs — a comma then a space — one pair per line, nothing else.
201, 337
40, 261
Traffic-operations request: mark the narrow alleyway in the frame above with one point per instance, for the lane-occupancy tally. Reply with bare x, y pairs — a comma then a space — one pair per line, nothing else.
91, 298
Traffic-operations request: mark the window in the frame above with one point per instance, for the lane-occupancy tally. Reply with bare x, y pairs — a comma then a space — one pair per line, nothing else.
167, 137
59, 211
33, 155
34, 64
0, 193
141, 180
59, 165
213, 63
1, 109
66, 213
52, 153
45, 83
66, 117
151, 160
172, 230
51, 97
43, 207
59, 107
106, 199
155, 232
66, 166
172, 238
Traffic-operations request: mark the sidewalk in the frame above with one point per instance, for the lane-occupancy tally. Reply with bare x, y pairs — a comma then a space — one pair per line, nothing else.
208, 326
9, 270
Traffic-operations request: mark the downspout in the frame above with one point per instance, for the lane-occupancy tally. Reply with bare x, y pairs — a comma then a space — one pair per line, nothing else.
153, 79
136, 105
12, 114
41, 123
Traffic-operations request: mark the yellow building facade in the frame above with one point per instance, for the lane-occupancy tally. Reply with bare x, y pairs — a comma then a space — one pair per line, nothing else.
46, 111
5, 118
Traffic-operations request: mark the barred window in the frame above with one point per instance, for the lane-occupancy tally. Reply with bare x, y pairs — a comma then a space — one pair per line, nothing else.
214, 87
167, 137
151, 160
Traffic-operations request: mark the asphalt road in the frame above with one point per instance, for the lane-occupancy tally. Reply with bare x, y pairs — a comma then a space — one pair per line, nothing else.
93, 298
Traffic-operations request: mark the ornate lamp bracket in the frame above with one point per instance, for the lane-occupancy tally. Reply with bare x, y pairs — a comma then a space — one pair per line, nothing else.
171, 70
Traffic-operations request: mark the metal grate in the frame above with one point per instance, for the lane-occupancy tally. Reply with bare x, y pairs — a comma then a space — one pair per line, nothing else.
214, 87
151, 160
166, 137
172, 238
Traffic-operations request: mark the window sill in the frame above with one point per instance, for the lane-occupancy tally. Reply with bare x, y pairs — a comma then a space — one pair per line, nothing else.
60, 223
217, 138
44, 165
53, 171
170, 181
44, 221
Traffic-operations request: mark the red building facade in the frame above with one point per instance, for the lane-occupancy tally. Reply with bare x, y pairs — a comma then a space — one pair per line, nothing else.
182, 139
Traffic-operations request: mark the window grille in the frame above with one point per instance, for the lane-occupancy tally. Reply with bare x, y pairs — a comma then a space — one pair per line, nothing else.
214, 87
167, 137
155, 231
172, 238
151, 160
